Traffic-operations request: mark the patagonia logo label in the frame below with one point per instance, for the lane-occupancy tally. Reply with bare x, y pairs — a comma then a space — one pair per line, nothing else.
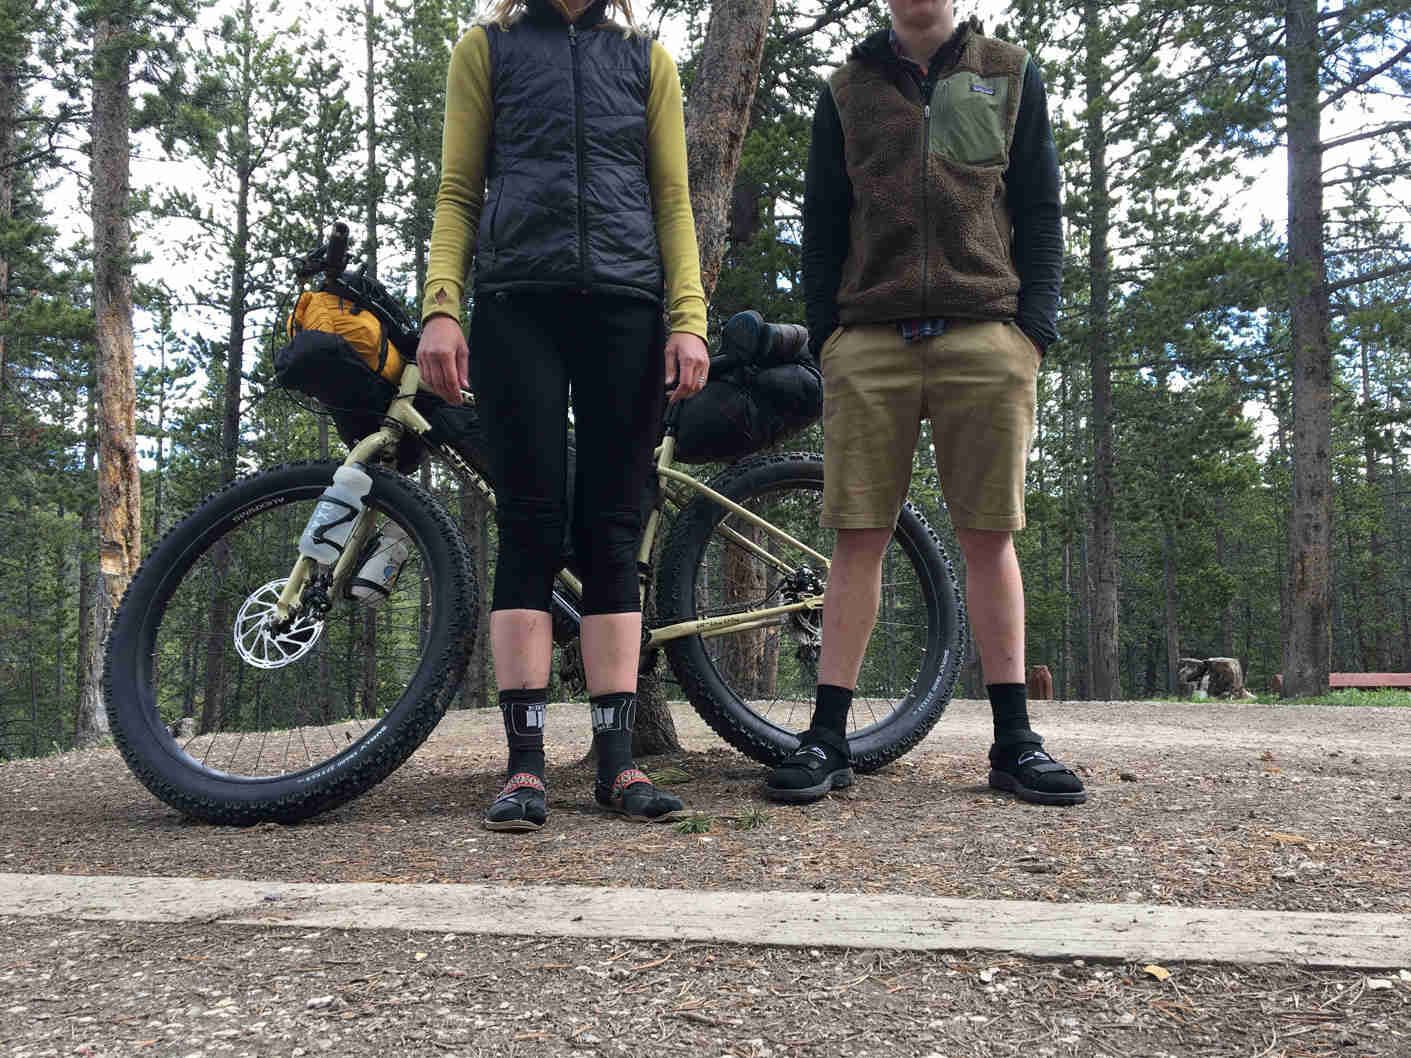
983, 89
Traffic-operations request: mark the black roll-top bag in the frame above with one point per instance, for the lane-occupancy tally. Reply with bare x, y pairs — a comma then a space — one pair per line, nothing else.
772, 390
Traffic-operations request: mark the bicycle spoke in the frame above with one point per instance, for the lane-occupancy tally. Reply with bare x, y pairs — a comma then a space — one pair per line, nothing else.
258, 697
773, 669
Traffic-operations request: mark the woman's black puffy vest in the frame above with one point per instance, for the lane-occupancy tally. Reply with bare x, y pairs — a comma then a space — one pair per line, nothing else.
567, 203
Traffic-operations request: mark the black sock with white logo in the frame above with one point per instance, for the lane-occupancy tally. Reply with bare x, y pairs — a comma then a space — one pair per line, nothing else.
523, 710
613, 717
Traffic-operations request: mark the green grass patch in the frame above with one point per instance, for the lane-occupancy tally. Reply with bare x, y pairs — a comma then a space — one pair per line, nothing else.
669, 774
753, 818
694, 824
1350, 696
1399, 699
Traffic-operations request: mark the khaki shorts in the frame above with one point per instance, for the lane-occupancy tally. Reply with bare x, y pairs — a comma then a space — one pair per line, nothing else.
977, 383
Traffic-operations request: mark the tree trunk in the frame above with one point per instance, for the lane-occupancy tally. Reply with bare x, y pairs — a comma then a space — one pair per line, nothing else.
1356, 613
743, 657
239, 263
1106, 678
160, 468
1173, 635
9, 118
61, 600
119, 483
1308, 646
369, 662
717, 117
1067, 680
655, 730
476, 690
1376, 578
89, 702
372, 181
1227, 612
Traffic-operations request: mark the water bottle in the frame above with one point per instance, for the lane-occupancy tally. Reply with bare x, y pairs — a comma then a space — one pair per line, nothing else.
338, 508
391, 547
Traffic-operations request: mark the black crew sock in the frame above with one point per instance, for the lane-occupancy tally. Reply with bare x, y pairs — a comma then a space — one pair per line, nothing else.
523, 711
613, 716
830, 711
1010, 704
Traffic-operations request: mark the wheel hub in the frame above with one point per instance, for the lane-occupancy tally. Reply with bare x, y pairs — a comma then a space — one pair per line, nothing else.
802, 584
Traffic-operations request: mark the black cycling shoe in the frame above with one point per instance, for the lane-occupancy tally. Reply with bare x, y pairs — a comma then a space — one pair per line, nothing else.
632, 795
1019, 765
521, 806
819, 765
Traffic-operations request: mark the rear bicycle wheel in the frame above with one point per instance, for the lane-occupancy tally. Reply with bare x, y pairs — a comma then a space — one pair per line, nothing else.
755, 686
229, 717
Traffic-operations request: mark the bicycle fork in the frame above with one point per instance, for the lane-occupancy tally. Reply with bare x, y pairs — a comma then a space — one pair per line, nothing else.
401, 416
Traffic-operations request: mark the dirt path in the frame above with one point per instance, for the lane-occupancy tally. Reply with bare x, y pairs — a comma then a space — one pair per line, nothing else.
120, 990
1203, 804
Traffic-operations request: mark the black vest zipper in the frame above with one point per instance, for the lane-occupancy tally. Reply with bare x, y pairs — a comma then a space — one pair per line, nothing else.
927, 88
582, 157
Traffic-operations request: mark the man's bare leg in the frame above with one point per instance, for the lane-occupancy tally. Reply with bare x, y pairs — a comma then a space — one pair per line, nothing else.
821, 762
994, 594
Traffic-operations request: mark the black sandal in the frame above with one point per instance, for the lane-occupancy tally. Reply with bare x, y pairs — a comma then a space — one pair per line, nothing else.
1019, 765
820, 764
632, 794
521, 806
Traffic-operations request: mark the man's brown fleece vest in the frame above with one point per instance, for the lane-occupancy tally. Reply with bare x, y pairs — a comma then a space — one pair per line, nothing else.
930, 230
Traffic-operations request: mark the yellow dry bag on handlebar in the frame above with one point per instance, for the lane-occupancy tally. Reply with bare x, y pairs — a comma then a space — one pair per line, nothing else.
320, 310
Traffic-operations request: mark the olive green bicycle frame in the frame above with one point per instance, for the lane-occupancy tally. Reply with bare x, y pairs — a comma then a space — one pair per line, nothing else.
677, 489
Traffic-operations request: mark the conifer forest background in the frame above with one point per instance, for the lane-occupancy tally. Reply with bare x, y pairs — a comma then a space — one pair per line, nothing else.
1223, 463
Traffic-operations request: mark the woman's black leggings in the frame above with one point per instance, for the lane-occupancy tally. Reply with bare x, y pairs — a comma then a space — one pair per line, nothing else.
527, 352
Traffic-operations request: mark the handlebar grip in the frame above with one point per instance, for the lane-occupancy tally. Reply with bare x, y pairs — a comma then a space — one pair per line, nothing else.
338, 248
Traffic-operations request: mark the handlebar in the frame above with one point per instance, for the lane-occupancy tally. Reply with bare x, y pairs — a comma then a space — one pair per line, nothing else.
337, 259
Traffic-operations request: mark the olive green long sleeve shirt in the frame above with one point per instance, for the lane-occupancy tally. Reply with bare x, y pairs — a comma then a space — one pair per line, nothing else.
464, 143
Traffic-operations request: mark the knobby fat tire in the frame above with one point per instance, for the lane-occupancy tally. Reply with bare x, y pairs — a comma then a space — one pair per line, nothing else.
722, 708
153, 754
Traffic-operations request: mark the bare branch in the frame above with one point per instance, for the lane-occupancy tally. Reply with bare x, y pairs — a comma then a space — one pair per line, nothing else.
827, 18
1367, 174
1366, 134
1369, 277
1365, 76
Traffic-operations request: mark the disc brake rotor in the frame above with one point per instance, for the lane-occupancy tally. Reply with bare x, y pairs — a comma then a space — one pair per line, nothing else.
257, 640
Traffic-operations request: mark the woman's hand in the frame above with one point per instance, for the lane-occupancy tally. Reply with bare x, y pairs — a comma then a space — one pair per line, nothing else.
444, 358
687, 364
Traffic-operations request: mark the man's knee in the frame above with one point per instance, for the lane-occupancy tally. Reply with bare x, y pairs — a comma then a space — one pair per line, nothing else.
861, 545
981, 543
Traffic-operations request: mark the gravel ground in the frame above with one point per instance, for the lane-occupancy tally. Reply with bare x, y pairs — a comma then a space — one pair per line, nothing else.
207, 991
1199, 804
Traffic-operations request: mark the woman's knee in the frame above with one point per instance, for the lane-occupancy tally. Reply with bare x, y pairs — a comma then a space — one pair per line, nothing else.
530, 552
606, 546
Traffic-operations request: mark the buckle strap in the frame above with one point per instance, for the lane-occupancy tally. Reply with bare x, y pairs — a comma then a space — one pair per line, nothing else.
523, 780
1040, 763
627, 778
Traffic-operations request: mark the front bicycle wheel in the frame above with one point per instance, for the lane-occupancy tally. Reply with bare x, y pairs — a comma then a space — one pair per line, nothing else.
755, 684
229, 716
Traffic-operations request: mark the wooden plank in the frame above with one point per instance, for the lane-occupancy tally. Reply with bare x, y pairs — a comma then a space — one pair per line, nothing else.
1361, 680
1136, 932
